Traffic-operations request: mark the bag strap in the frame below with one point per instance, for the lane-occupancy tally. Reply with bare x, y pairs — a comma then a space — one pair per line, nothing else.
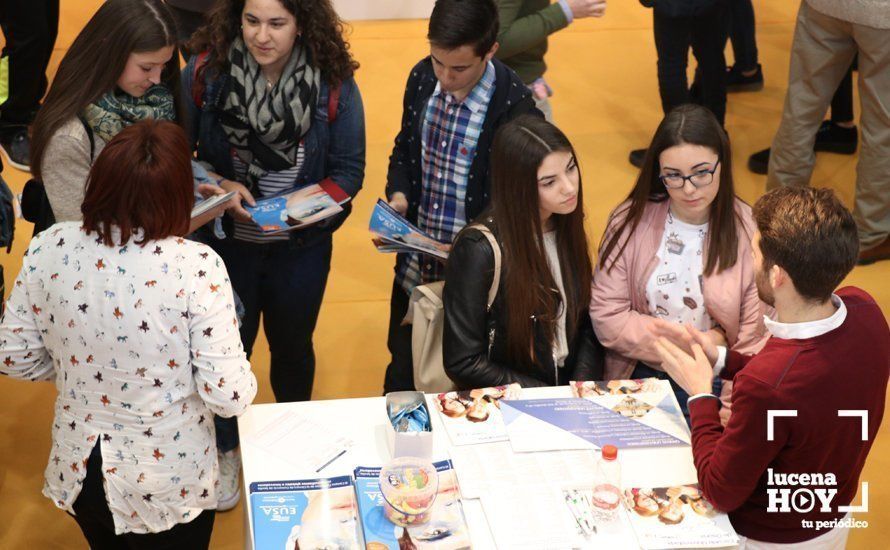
496, 248
333, 102
198, 79
89, 131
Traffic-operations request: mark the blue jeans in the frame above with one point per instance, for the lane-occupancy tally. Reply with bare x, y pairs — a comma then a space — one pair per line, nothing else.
285, 283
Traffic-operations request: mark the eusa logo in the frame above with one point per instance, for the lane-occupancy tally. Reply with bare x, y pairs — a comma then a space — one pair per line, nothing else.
804, 492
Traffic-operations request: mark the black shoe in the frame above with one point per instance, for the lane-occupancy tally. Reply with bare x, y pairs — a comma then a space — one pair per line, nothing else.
17, 148
637, 156
836, 139
759, 162
738, 82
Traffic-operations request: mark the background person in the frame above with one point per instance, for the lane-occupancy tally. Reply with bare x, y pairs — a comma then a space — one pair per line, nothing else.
524, 28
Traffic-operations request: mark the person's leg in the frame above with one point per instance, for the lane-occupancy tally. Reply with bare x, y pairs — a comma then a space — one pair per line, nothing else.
872, 207
672, 40
400, 371
293, 286
194, 535
30, 29
707, 39
743, 36
91, 508
842, 101
243, 262
821, 53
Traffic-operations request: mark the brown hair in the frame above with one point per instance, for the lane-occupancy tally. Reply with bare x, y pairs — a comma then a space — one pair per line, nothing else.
141, 180
96, 59
321, 30
811, 235
519, 149
693, 125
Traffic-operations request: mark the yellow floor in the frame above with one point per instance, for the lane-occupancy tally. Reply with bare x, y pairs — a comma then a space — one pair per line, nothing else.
606, 100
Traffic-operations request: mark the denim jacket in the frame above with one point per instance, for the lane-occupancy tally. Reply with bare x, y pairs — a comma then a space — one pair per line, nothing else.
335, 151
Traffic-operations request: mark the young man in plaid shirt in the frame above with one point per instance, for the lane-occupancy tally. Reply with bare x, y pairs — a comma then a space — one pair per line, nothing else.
438, 177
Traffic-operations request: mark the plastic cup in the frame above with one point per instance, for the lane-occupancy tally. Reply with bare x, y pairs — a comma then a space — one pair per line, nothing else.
409, 486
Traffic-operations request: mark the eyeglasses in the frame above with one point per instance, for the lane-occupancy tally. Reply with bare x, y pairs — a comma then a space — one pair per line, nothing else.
701, 178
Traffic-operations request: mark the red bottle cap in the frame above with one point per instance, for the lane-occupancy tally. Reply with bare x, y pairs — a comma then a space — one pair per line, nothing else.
610, 452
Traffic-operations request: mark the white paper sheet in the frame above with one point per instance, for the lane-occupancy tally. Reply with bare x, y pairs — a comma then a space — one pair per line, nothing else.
325, 447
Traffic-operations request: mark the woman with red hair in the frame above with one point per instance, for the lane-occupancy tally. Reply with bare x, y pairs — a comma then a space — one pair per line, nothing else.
137, 327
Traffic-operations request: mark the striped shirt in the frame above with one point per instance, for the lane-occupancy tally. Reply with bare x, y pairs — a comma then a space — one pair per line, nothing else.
270, 184
450, 134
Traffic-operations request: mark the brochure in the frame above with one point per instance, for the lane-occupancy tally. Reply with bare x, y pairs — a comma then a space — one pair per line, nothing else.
300, 208
626, 421
474, 416
210, 203
396, 234
677, 517
446, 529
311, 513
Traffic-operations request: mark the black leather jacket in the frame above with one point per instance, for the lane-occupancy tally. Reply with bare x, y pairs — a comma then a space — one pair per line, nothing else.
474, 344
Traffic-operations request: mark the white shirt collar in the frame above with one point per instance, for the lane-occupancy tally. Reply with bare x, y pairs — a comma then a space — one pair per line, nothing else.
810, 329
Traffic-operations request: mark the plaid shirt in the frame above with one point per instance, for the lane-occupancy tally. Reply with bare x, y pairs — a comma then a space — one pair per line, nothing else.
450, 134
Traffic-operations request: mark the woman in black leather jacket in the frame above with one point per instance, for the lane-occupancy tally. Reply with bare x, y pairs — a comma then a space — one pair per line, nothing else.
537, 331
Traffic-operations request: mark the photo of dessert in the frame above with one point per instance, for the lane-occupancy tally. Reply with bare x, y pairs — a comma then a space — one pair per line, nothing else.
614, 387
669, 504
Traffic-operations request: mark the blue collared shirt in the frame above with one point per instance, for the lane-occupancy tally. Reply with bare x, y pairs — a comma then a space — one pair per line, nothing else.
450, 134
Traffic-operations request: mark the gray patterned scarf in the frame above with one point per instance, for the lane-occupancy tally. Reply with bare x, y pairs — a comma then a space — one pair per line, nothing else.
263, 124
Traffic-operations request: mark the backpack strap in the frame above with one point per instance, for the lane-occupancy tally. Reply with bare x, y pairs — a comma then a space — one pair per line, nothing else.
333, 102
496, 248
89, 131
198, 83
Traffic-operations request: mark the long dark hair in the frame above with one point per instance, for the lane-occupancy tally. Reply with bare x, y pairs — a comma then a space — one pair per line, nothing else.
321, 30
97, 58
518, 151
693, 125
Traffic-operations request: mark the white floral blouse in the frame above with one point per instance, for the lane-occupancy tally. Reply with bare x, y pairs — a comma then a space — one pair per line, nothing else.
143, 344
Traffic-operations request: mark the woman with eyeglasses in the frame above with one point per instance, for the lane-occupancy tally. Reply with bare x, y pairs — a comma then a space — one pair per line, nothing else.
677, 251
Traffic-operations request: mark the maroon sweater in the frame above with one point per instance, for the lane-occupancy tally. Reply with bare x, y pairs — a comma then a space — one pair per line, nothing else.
846, 368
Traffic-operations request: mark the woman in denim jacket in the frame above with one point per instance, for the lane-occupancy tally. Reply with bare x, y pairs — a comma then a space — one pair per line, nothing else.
272, 107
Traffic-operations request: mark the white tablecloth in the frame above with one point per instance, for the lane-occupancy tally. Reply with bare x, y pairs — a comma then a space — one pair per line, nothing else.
364, 422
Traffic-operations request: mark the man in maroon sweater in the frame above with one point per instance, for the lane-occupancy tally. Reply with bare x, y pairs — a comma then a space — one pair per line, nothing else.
824, 370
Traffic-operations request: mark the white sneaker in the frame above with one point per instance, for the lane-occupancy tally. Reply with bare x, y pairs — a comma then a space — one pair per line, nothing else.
229, 490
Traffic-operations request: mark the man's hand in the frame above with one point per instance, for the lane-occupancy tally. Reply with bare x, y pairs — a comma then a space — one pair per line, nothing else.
587, 8
235, 207
399, 203
692, 372
683, 336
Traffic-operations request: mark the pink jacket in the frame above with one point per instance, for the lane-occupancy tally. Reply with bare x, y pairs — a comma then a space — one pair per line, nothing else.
619, 307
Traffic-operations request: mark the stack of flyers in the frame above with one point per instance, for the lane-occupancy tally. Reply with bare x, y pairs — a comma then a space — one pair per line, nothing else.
396, 234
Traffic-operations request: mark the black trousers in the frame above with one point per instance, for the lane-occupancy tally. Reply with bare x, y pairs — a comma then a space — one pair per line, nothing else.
400, 371
706, 35
742, 34
97, 525
30, 28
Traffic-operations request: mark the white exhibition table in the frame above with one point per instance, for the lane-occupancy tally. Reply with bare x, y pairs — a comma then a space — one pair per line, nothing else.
364, 422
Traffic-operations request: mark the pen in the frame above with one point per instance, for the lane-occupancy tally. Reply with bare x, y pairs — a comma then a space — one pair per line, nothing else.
328, 463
